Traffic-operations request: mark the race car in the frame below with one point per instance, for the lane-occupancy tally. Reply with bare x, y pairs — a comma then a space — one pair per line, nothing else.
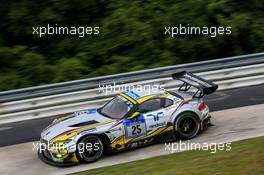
131, 119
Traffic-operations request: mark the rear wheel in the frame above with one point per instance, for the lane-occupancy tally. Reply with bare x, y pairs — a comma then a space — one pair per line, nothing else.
186, 126
89, 149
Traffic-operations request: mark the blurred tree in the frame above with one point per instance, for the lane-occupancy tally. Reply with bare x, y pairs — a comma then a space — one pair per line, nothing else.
33, 69
69, 69
131, 36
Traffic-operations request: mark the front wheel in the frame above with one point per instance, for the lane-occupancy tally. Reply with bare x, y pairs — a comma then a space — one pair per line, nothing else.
186, 126
89, 149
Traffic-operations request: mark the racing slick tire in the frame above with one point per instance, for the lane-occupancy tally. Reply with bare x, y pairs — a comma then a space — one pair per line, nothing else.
89, 149
186, 126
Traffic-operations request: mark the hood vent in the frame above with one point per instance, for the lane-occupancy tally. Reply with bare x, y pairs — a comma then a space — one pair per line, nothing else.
84, 123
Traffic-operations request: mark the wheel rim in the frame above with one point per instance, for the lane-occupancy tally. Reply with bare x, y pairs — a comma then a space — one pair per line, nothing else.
89, 151
187, 126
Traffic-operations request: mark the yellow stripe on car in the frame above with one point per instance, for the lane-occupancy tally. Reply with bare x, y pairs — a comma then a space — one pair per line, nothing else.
141, 100
156, 132
72, 133
128, 98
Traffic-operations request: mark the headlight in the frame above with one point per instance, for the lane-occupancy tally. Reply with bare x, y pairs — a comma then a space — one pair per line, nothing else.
58, 145
63, 152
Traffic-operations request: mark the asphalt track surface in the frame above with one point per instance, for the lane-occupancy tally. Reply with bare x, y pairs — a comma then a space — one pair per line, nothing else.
26, 131
230, 125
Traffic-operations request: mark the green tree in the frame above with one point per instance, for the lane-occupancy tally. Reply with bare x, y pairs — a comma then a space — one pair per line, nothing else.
131, 37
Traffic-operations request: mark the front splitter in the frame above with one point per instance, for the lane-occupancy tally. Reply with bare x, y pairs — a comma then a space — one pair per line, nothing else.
57, 164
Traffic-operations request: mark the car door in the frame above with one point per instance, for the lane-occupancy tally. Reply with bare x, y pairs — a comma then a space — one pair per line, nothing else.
135, 127
151, 117
154, 114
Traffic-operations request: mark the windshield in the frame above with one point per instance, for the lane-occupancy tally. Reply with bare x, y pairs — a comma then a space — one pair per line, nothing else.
117, 108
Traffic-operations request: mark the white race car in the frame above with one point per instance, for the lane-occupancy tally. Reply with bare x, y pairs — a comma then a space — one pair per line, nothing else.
131, 119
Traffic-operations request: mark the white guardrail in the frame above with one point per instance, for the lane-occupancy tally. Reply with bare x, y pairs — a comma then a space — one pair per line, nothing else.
58, 104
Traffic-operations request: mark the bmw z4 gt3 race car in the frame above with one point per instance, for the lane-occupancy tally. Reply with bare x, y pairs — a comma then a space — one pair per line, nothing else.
131, 119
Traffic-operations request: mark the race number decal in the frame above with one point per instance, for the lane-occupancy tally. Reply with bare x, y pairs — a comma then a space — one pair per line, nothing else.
135, 127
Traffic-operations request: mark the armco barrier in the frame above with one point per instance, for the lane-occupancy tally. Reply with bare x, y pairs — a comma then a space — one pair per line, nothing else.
33, 105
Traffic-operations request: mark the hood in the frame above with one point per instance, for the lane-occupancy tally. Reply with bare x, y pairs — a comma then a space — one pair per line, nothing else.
73, 122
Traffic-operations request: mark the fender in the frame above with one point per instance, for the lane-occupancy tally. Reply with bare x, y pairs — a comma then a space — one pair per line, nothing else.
182, 109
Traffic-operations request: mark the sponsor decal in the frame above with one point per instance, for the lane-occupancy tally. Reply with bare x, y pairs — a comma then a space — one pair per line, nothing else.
89, 111
157, 125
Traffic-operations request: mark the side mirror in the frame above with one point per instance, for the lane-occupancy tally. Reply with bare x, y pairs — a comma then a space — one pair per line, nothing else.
135, 114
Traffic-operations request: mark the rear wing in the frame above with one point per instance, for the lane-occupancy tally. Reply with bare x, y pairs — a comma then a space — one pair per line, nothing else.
204, 87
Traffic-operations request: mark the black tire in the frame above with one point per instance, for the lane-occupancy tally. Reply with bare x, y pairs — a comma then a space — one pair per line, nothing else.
89, 149
186, 126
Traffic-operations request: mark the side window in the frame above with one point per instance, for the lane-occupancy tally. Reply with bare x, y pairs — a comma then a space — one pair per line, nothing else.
168, 102
150, 105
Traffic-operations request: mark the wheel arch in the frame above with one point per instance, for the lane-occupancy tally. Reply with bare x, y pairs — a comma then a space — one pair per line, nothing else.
176, 114
103, 137
177, 132
183, 112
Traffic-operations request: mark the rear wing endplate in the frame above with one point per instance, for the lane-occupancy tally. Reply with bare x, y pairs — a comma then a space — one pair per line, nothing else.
204, 87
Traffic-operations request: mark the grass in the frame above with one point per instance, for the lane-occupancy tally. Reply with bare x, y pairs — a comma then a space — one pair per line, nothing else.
245, 158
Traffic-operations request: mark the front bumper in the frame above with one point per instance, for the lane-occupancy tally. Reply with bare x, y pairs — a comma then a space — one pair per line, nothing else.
71, 159
49, 156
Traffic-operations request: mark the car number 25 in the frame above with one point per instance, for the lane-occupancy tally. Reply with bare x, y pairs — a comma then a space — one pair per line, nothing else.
135, 129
